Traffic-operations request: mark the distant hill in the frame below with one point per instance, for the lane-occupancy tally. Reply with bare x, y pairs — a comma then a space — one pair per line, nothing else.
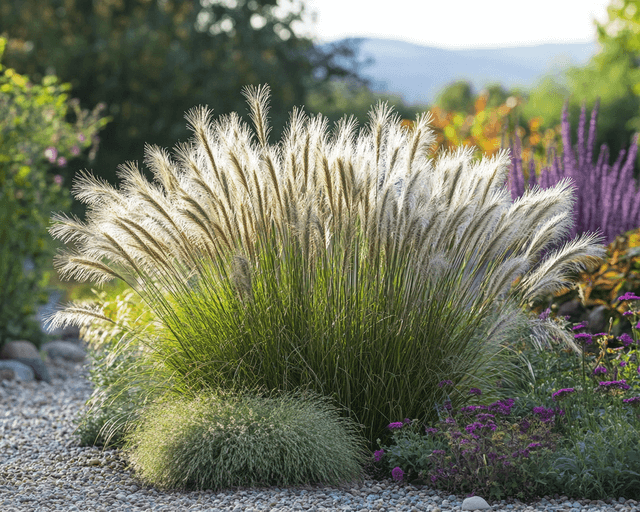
417, 73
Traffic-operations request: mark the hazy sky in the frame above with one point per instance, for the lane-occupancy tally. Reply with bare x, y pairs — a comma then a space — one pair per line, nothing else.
456, 24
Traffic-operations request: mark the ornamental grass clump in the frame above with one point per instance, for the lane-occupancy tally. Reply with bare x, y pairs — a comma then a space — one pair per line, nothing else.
216, 441
353, 264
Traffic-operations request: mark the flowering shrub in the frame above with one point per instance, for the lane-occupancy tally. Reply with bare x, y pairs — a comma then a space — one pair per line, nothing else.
480, 449
35, 142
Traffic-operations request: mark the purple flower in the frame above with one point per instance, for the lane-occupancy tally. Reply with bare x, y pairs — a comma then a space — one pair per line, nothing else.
627, 313
62, 162
524, 426
406, 421
57, 179
562, 393
625, 339
613, 384
475, 391
397, 473
443, 383
628, 296
51, 154
485, 416
438, 452
534, 445
377, 455
581, 325
447, 405
544, 414
584, 337
502, 406
638, 325
450, 421
599, 369
431, 431
545, 314
75, 150
623, 364
397, 424
81, 137
633, 401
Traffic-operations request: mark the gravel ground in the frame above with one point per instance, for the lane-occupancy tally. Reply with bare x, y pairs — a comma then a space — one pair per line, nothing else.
42, 468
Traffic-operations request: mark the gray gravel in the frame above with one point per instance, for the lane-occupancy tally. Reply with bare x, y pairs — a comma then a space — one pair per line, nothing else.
42, 468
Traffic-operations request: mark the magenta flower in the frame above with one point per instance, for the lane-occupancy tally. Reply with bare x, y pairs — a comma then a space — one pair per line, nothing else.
438, 452
614, 384
57, 179
623, 364
534, 445
397, 473
599, 369
628, 296
443, 383
581, 325
562, 393
395, 425
62, 162
377, 455
431, 431
545, 314
633, 401
51, 154
625, 339
81, 137
475, 391
584, 337
75, 150
627, 313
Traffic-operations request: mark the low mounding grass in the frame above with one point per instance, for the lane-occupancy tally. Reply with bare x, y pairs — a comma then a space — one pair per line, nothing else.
215, 442
352, 265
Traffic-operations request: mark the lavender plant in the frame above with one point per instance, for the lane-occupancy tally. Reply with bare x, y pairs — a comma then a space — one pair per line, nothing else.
355, 265
607, 196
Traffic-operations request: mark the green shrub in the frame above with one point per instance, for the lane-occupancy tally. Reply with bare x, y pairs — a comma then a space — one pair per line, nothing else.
358, 267
215, 442
35, 141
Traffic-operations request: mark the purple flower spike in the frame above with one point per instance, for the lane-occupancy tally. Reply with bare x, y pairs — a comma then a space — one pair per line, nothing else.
599, 369
395, 425
475, 391
377, 455
397, 473
628, 296
545, 314
625, 339
443, 383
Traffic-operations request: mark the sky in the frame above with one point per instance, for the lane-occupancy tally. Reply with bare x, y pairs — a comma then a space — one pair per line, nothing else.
458, 24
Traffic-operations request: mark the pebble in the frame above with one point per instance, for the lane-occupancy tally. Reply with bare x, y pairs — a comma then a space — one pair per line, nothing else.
43, 469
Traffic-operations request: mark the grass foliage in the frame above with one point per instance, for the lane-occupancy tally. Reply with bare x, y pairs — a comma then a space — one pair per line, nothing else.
216, 442
354, 265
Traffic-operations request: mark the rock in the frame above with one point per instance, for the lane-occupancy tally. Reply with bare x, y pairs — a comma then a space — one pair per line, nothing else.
475, 503
37, 365
64, 350
20, 371
7, 374
572, 308
19, 349
596, 319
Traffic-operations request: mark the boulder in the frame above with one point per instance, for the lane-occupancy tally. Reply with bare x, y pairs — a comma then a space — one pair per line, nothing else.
64, 350
18, 370
475, 503
19, 349
37, 365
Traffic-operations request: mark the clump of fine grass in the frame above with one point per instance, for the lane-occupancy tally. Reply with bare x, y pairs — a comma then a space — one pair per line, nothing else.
352, 264
216, 442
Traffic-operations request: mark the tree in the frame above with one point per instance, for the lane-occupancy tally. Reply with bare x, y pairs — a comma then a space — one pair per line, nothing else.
457, 97
152, 60
612, 75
